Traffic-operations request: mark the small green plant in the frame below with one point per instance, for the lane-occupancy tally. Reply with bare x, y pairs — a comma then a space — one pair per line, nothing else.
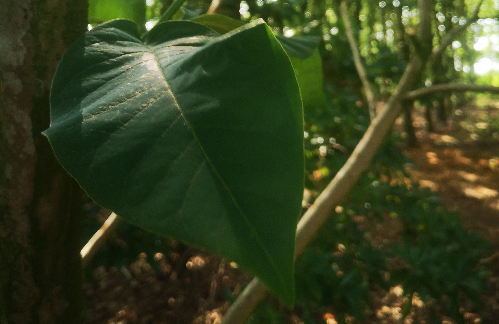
440, 259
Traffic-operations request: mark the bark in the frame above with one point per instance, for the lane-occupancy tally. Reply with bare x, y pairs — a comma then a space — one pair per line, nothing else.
40, 266
428, 116
411, 139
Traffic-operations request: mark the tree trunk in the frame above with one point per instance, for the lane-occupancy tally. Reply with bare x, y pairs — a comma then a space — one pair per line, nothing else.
411, 139
441, 113
428, 117
40, 266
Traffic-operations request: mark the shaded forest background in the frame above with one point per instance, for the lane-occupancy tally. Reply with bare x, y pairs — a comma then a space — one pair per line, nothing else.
393, 250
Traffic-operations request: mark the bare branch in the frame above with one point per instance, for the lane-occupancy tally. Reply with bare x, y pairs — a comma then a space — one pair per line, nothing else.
213, 6
416, 94
98, 239
348, 175
358, 61
451, 35
337, 189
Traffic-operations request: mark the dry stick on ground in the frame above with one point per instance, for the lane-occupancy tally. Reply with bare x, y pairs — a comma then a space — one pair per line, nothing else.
98, 239
361, 70
340, 186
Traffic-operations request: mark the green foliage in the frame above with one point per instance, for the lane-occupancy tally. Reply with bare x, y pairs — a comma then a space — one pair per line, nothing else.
436, 258
184, 136
302, 51
338, 268
440, 258
341, 266
264, 313
100, 11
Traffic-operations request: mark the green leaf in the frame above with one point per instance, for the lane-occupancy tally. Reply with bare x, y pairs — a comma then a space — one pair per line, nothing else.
189, 134
302, 51
309, 75
103, 10
219, 23
301, 47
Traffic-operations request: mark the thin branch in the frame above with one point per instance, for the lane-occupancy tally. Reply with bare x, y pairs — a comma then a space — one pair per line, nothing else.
337, 189
361, 70
342, 183
175, 6
98, 239
451, 35
213, 6
416, 94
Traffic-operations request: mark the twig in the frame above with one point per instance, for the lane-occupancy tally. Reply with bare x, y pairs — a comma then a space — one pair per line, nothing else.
337, 189
98, 239
171, 10
361, 70
416, 94
451, 35
213, 6
490, 258
340, 186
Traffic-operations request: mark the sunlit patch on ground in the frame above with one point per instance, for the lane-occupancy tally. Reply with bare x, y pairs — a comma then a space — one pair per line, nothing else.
432, 158
480, 192
428, 184
471, 177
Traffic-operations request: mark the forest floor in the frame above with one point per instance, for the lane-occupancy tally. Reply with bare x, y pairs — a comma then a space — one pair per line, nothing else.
453, 161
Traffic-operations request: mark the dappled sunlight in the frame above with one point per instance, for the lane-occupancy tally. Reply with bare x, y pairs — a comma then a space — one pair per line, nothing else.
471, 177
480, 192
463, 172
428, 184
432, 158
494, 204
444, 139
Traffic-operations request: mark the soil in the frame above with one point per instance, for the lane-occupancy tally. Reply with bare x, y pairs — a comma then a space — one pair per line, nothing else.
194, 286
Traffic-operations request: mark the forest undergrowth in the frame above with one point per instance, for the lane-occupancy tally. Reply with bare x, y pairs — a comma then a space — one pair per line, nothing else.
373, 241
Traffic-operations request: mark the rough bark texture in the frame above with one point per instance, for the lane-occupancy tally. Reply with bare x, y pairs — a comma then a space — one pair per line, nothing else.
40, 278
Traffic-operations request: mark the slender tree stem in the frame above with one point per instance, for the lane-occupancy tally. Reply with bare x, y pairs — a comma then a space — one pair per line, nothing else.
171, 10
346, 178
98, 239
361, 70
451, 35
337, 189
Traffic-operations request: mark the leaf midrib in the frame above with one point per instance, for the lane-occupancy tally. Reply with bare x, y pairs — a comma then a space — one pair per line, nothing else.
208, 160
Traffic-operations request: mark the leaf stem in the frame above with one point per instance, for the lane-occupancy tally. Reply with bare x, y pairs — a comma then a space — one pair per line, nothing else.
171, 10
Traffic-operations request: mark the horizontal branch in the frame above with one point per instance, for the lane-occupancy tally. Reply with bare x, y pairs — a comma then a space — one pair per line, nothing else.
98, 239
451, 35
450, 87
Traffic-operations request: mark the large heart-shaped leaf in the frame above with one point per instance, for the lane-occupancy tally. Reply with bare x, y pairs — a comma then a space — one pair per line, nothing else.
302, 51
189, 134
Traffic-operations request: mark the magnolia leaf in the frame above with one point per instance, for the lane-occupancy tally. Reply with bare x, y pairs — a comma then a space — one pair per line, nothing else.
188, 134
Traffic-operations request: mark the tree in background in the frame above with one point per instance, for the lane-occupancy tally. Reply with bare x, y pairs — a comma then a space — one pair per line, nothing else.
40, 205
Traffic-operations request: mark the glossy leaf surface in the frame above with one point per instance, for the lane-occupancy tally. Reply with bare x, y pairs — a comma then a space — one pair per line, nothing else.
188, 134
